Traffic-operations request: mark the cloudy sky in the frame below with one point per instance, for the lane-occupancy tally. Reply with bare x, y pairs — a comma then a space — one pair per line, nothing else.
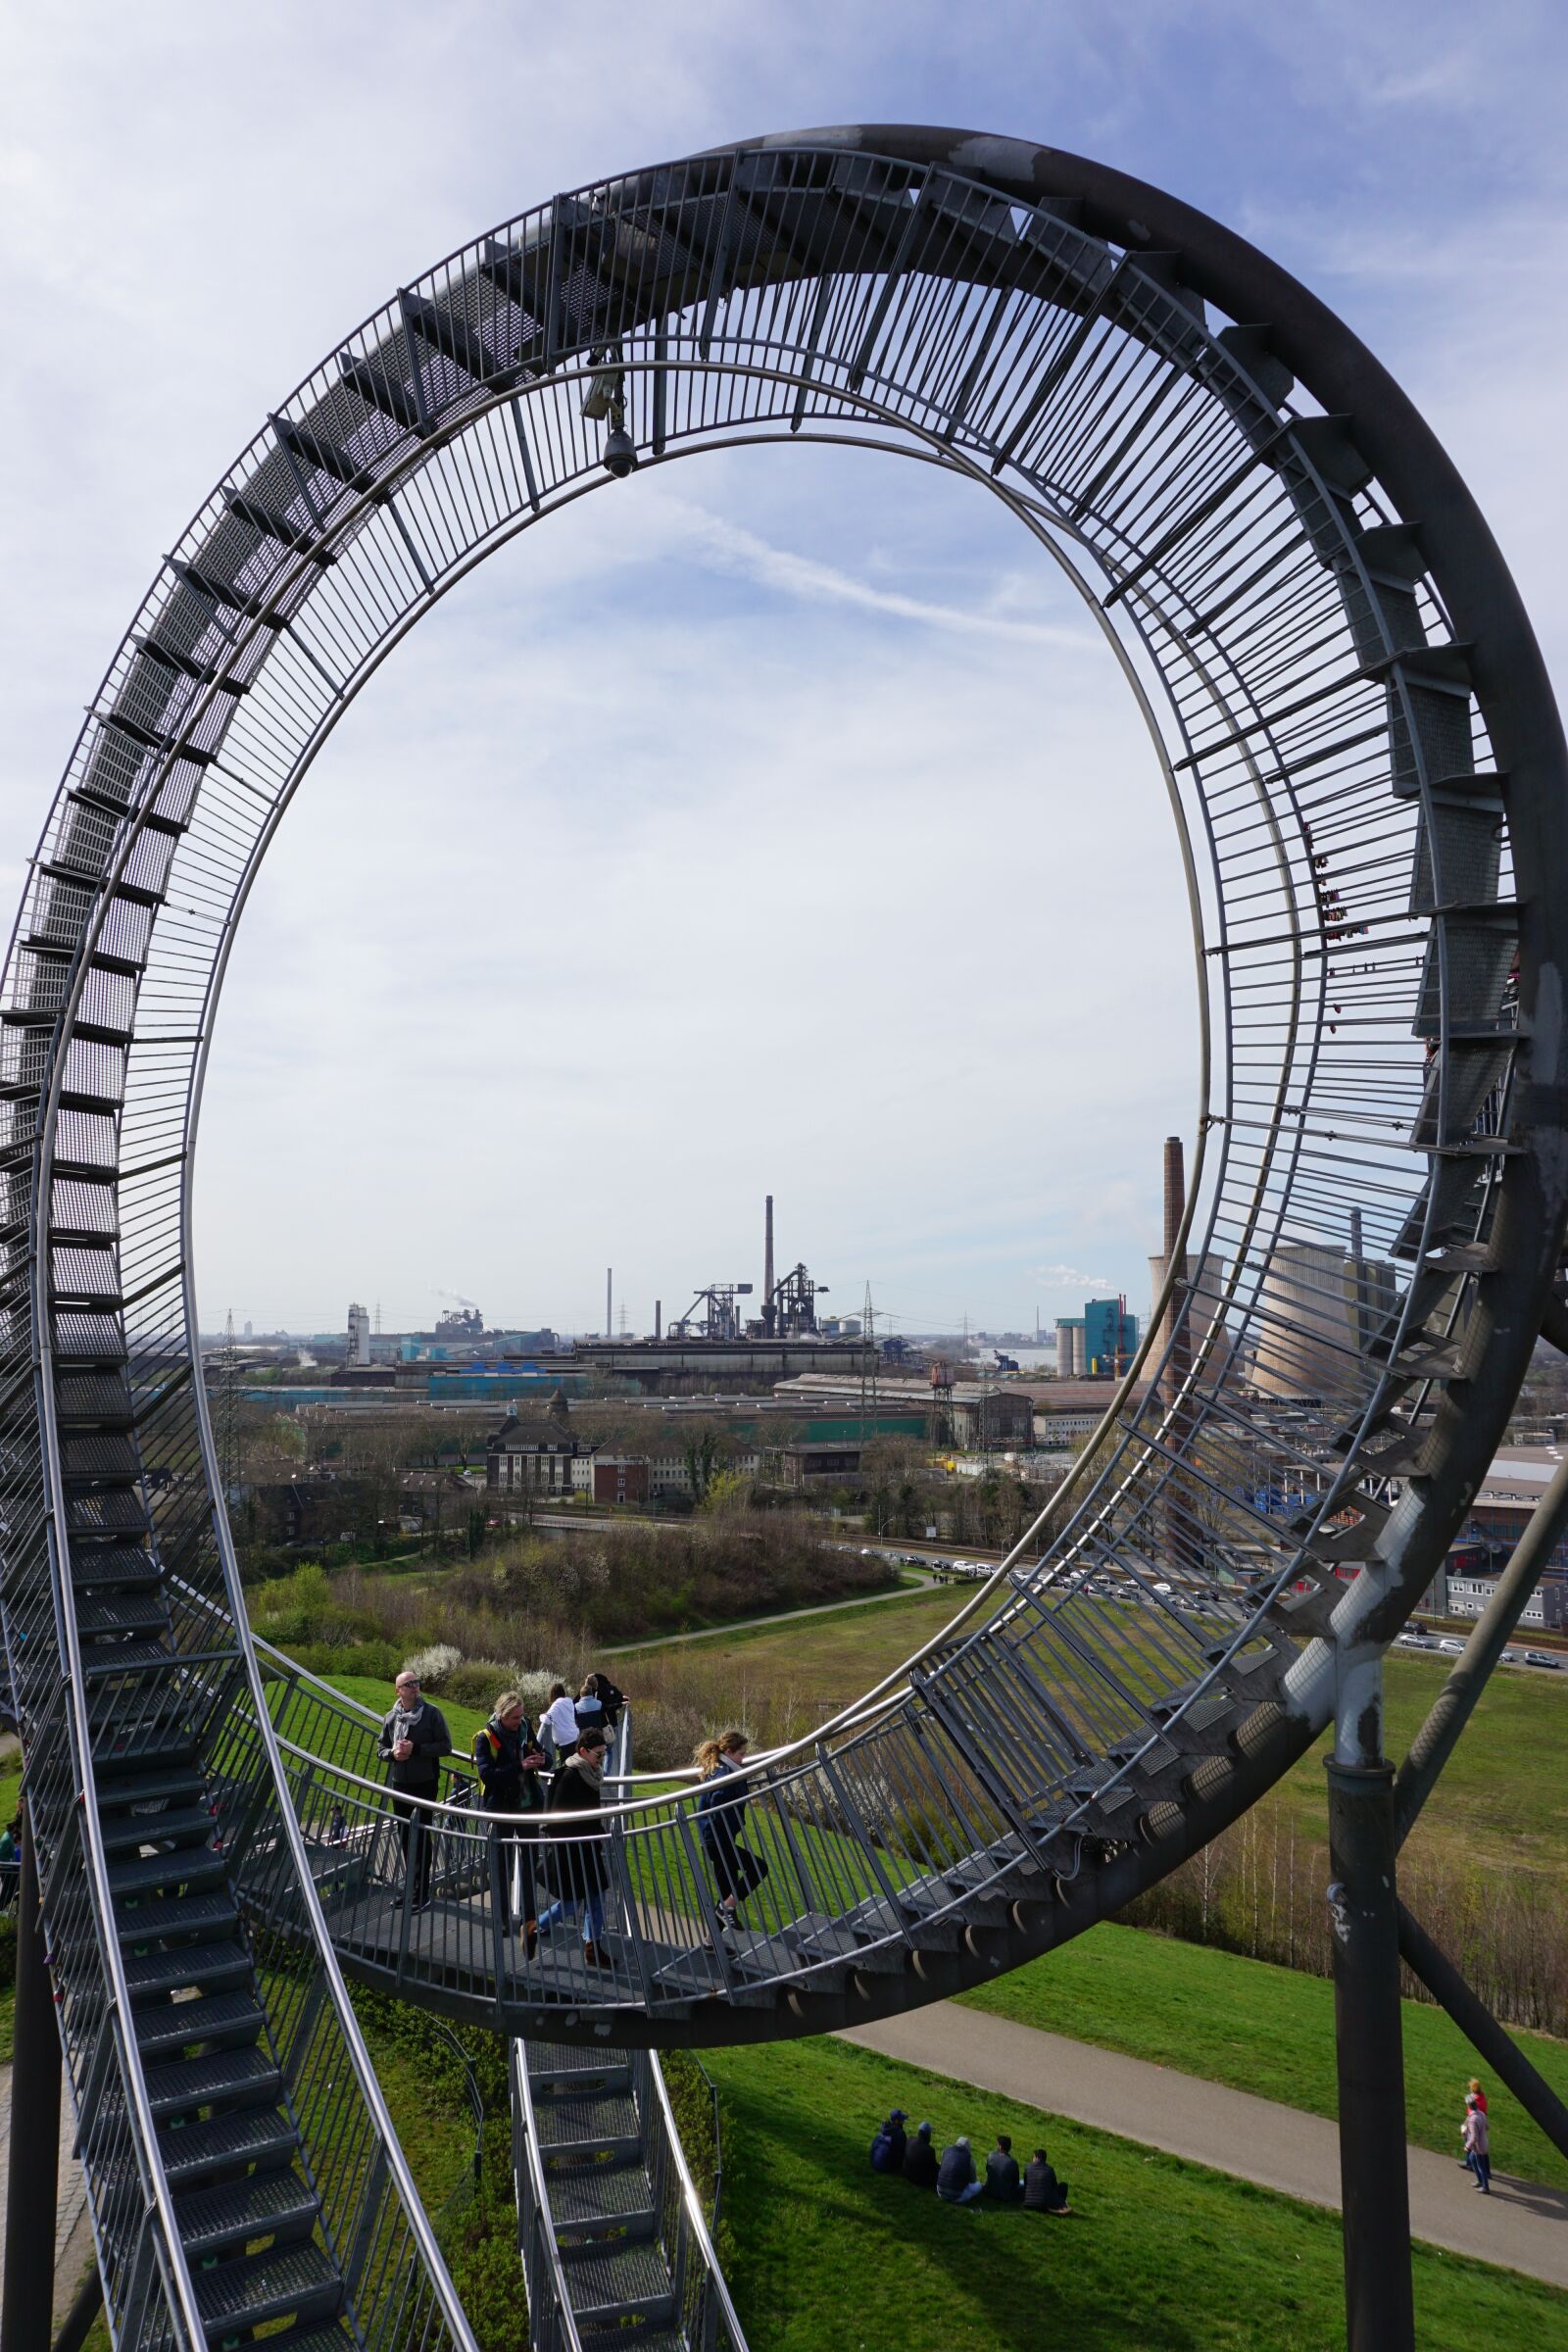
773, 823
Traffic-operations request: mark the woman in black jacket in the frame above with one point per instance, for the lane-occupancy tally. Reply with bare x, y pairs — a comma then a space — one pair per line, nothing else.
507, 1759
578, 1859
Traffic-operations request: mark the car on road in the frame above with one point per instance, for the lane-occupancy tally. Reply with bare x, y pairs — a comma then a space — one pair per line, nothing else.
1507, 1657
1411, 1639
1455, 1649
1542, 1657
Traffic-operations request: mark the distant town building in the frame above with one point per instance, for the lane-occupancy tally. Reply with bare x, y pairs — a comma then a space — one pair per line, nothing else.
532, 1456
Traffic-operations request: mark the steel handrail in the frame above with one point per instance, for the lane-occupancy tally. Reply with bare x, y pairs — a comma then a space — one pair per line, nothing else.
695, 2219
415, 2215
522, 2092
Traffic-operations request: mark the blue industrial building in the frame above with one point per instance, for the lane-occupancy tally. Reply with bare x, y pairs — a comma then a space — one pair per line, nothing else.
1110, 1337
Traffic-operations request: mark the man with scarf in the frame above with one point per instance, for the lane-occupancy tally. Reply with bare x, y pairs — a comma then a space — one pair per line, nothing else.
508, 1758
414, 1740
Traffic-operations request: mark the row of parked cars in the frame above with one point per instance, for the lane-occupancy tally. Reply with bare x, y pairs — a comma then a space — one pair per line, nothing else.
1413, 1637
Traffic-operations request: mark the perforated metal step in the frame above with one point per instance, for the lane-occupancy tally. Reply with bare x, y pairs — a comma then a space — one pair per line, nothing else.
193, 2153
224, 2077
294, 2281
220, 2221
229, 2019
620, 2282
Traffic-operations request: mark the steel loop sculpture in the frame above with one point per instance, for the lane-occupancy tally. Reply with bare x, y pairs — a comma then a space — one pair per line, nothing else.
1366, 775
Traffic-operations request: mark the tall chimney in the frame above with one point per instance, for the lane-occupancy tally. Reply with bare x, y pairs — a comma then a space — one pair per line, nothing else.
658, 1320
1179, 1362
610, 1289
767, 1268
1356, 1232
1180, 1355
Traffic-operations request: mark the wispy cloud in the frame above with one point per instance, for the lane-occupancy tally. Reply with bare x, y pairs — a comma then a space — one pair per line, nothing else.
728, 547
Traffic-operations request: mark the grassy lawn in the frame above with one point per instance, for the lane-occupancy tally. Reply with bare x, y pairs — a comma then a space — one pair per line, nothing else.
827, 1660
1162, 2256
1265, 2030
1503, 1799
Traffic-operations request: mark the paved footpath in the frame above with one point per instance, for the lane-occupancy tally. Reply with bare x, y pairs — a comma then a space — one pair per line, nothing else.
764, 1625
1521, 2226
73, 2249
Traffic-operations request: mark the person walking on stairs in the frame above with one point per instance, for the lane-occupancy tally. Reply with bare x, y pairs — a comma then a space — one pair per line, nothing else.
557, 1726
721, 1813
508, 1760
578, 1856
414, 1740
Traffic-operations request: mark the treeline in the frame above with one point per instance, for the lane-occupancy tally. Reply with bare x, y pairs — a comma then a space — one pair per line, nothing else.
542, 1608
1260, 1888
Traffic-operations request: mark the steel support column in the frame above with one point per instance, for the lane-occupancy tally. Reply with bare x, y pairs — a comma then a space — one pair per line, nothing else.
26, 2308
1373, 2180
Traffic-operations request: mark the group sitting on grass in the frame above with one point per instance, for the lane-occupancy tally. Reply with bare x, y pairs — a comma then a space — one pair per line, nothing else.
953, 2175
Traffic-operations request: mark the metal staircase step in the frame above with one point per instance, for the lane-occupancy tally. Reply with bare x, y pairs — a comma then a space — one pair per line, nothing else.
187, 1866
619, 2282
124, 1832
160, 1786
588, 2127
588, 2198
114, 1564
287, 2282
229, 2020
220, 2221
211, 1913
182, 1966
116, 1750
556, 2065
243, 2078
613, 2337
122, 1613
127, 1657
259, 2136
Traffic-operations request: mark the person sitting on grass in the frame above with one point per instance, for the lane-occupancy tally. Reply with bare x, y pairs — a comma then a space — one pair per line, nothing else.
1043, 2192
1002, 2183
889, 2146
920, 2159
956, 2180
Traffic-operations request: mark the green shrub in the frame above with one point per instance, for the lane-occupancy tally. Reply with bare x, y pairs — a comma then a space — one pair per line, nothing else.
8, 1951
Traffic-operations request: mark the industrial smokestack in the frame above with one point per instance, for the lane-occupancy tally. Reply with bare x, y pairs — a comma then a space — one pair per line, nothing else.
1180, 1355
610, 1292
767, 1268
1356, 1232
658, 1320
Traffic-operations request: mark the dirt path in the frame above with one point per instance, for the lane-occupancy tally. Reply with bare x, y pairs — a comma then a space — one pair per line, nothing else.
1521, 2226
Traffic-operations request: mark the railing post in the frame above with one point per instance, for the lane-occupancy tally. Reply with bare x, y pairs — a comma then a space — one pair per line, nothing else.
31, 2186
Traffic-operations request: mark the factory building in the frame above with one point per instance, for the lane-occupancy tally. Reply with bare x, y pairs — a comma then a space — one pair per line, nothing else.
1318, 1309
358, 1347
